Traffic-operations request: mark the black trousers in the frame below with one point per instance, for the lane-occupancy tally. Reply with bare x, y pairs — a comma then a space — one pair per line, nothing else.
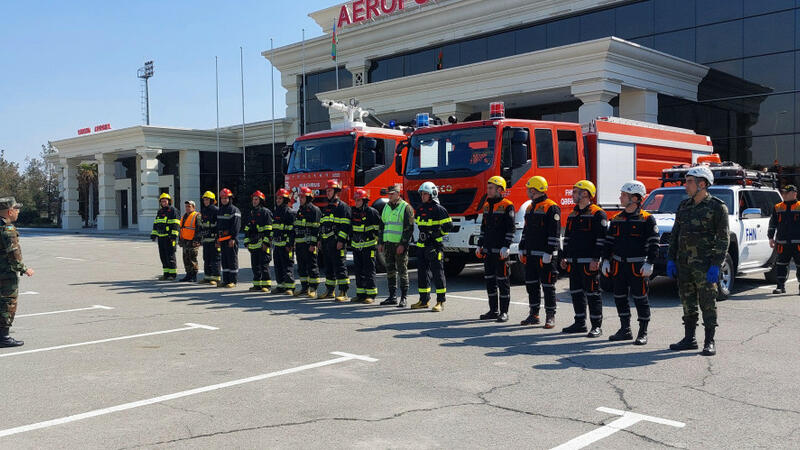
259, 261
335, 270
498, 288
364, 264
541, 277
584, 286
166, 251
628, 278
284, 267
430, 266
230, 262
211, 261
307, 267
786, 253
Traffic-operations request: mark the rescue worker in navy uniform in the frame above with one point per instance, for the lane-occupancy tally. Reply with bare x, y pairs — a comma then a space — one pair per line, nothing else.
784, 234
538, 249
306, 235
584, 238
335, 233
208, 233
433, 223
497, 233
283, 243
229, 222
365, 224
257, 233
630, 251
165, 230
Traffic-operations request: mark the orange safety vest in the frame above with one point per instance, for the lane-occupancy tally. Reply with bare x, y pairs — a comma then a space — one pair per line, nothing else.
188, 228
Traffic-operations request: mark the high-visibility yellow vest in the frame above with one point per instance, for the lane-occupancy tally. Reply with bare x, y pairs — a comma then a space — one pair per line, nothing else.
393, 222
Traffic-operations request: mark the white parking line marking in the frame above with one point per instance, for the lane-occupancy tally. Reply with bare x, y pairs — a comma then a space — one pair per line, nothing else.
343, 357
28, 293
483, 299
64, 311
69, 259
773, 287
190, 326
628, 418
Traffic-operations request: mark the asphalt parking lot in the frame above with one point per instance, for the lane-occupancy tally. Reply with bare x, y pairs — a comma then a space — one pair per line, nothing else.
115, 359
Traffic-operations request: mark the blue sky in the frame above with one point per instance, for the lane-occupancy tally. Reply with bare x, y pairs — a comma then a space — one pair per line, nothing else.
69, 65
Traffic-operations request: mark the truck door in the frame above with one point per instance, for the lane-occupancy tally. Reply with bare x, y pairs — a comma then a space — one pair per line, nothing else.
546, 162
515, 157
754, 248
568, 161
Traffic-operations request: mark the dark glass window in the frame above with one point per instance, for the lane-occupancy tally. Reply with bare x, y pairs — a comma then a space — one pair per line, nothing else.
597, 25
420, 62
473, 50
711, 11
678, 43
646, 41
753, 7
769, 34
673, 14
500, 45
772, 71
719, 42
567, 148
531, 39
731, 67
634, 20
451, 56
775, 115
544, 147
563, 32
377, 71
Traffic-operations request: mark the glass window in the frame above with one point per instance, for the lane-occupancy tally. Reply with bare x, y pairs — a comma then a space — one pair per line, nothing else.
394, 67
773, 71
567, 148
420, 62
730, 67
775, 115
501, 45
712, 11
678, 43
530, 39
764, 150
752, 8
597, 25
634, 20
719, 42
322, 155
451, 56
454, 153
377, 71
473, 51
563, 32
646, 41
771, 33
544, 148
797, 26
673, 14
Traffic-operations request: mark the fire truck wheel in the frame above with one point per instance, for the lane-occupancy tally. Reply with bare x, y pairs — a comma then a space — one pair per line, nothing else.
453, 264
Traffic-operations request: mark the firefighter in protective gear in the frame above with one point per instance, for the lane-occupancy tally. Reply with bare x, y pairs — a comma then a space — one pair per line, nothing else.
190, 240
306, 235
365, 224
433, 223
538, 249
584, 238
397, 228
229, 222
208, 237
335, 234
283, 243
497, 233
166, 228
257, 235
784, 235
630, 251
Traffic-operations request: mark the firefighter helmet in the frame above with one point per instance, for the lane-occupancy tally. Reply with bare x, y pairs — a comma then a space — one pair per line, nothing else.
164, 196
306, 191
701, 172
225, 192
334, 184
259, 194
361, 194
429, 188
498, 181
282, 192
537, 182
587, 186
634, 187
210, 195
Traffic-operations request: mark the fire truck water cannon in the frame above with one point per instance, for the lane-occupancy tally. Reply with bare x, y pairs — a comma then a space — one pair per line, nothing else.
352, 113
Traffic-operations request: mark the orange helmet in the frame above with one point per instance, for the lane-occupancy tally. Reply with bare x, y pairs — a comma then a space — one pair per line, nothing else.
334, 184
259, 194
360, 194
283, 193
306, 191
225, 192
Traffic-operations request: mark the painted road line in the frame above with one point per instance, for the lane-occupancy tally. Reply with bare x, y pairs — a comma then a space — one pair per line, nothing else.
69, 259
773, 287
65, 311
28, 293
628, 419
343, 357
483, 299
189, 326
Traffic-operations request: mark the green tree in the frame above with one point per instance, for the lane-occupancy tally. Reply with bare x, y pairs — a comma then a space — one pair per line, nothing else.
10, 178
87, 177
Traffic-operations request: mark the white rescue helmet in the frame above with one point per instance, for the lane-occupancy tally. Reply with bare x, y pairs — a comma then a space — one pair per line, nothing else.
429, 188
634, 187
701, 172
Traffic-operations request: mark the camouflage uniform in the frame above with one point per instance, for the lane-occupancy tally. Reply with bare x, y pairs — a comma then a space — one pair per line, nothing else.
699, 240
11, 267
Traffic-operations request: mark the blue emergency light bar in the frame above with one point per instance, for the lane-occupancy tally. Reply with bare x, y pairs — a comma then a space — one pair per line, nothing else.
423, 120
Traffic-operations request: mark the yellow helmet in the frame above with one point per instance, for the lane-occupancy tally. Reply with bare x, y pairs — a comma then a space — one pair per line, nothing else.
209, 194
537, 182
498, 181
588, 186
164, 196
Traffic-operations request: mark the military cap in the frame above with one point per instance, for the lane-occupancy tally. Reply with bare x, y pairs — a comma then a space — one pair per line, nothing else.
8, 203
395, 188
190, 202
789, 188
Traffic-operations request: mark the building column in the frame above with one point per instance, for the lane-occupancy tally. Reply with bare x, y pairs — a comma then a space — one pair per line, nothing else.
293, 101
68, 187
359, 69
189, 174
638, 104
107, 217
446, 109
148, 187
595, 95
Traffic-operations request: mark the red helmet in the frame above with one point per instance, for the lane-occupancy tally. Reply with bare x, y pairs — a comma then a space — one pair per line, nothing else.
306, 191
283, 193
360, 194
259, 194
334, 184
225, 192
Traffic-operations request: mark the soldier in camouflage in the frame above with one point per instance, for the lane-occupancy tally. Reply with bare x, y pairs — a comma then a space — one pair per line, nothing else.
697, 248
11, 267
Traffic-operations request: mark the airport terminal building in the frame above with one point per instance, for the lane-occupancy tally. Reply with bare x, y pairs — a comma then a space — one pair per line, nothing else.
726, 68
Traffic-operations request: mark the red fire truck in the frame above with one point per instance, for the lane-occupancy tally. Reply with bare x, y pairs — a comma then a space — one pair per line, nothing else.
461, 157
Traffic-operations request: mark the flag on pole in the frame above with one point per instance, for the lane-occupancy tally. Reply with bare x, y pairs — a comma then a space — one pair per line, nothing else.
334, 41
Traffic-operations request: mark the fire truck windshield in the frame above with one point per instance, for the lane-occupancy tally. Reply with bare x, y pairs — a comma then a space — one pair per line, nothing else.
322, 155
456, 153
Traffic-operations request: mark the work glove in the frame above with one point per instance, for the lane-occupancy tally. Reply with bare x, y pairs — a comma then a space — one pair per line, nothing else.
479, 252
153, 237
504, 253
547, 258
712, 276
672, 270
606, 269
647, 269
523, 259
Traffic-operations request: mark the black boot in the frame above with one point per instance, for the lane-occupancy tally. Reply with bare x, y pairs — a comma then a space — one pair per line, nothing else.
688, 342
709, 349
193, 277
403, 298
8, 341
641, 338
624, 333
502, 318
391, 300
596, 331
491, 315
578, 327
779, 290
186, 278
532, 319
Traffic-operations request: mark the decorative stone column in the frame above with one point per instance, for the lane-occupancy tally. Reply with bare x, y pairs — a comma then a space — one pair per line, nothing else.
293, 101
189, 174
595, 95
638, 104
148, 187
107, 217
359, 69
68, 187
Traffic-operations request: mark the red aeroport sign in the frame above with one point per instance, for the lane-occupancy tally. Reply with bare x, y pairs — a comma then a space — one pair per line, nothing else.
84, 131
363, 10
87, 130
